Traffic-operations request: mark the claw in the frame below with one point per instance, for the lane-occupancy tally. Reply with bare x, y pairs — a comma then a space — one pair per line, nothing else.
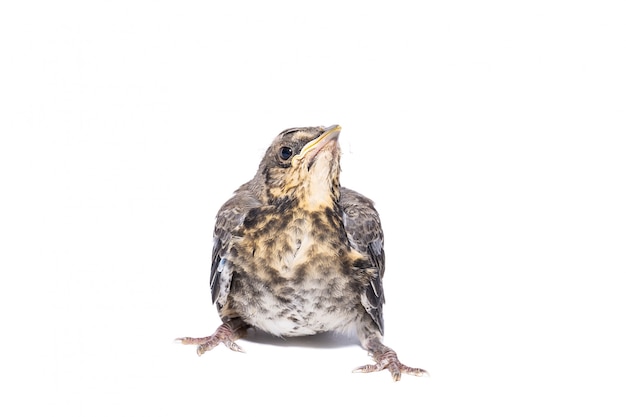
224, 334
366, 369
386, 358
234, 346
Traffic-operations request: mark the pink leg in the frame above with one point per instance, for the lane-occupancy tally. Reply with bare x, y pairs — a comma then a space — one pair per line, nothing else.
227, 333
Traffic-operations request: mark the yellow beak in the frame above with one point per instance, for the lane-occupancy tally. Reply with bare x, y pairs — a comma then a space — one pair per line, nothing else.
330, 133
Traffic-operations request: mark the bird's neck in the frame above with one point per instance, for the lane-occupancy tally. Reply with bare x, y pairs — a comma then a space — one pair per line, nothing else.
316, 195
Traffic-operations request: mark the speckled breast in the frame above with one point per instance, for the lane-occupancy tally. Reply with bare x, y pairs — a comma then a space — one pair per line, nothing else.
295, 274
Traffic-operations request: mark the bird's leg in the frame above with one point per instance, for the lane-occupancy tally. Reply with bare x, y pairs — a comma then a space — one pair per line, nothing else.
385, 358
226, 333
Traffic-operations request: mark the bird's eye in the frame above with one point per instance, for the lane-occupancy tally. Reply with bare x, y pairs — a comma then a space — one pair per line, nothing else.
285, 153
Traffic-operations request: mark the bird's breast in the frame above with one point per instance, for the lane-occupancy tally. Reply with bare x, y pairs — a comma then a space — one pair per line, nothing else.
295, 273
292, 244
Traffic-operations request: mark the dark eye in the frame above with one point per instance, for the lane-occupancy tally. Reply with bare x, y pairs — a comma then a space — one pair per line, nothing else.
285, 153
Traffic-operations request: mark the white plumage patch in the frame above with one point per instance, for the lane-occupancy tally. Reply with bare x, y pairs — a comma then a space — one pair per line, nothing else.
225, 270
299, 319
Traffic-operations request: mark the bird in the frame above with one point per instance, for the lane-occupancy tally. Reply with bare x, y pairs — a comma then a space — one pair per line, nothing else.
295, 253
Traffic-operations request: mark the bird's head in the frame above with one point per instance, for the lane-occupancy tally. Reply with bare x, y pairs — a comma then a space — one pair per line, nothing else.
302, 165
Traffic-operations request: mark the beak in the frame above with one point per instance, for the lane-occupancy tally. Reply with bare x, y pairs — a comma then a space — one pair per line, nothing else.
329, 134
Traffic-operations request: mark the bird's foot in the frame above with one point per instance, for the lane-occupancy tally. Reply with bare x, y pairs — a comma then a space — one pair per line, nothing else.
386, 358
224, 334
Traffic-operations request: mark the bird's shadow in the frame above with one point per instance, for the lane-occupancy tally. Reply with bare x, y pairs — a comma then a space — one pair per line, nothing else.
328, 340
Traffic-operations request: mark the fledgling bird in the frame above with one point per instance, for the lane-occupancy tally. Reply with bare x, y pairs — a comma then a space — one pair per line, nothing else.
296, 254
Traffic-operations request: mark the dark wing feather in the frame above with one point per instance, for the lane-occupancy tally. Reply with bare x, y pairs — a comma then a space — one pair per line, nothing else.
229, 218
365, 234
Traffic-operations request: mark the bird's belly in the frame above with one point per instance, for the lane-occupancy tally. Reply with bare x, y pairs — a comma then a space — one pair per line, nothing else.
301, 284
294, 322
301, 314
298, 325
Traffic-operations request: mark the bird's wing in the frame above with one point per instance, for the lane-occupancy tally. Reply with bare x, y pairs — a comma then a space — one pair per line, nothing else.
365, 234
230, 216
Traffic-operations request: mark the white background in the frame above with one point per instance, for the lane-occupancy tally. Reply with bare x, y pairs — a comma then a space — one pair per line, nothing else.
491, 137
